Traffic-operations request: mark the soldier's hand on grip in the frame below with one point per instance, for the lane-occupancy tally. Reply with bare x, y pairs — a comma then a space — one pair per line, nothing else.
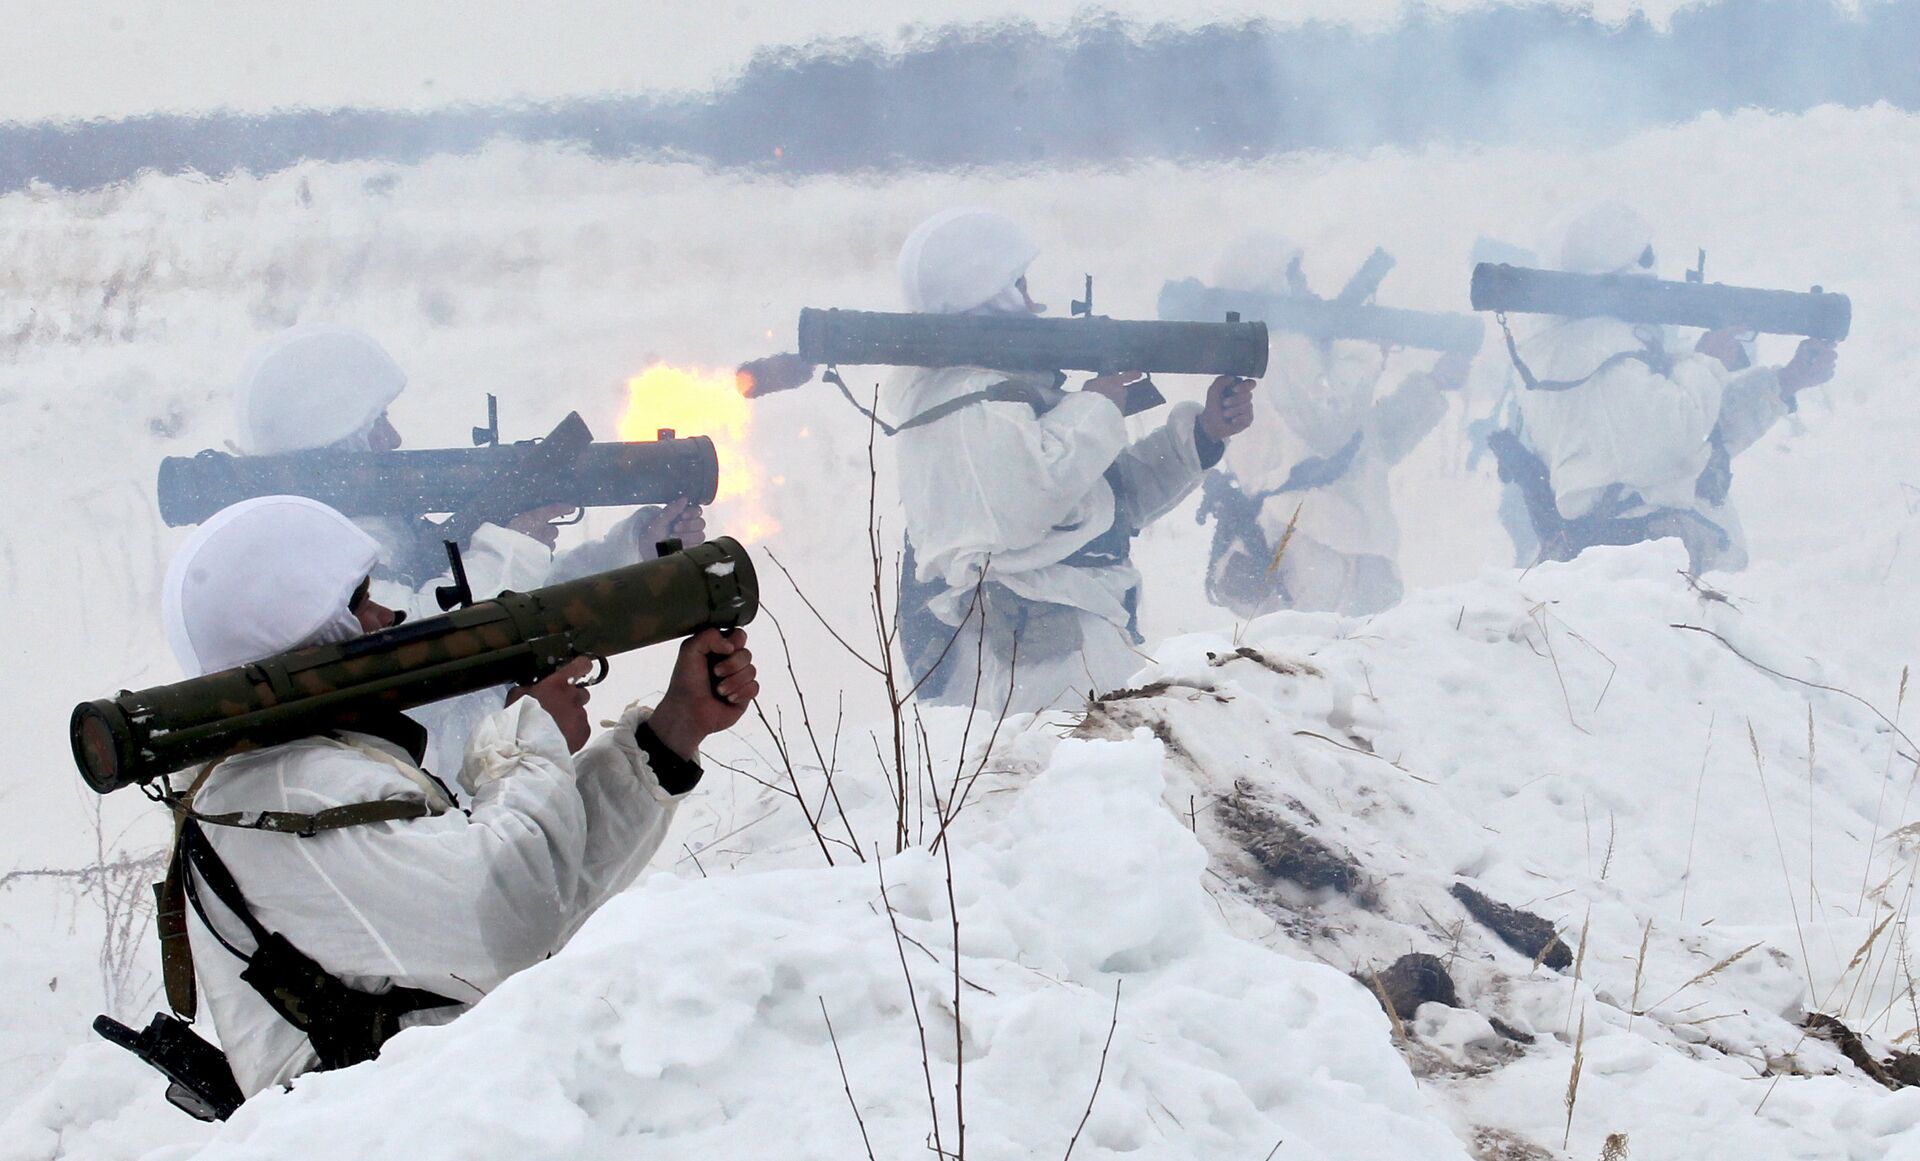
713, 682
565, 699
538, 523
1229, 409
1811, 366
681, 520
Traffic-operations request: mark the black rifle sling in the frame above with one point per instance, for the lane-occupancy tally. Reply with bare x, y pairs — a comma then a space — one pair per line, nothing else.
1714, 481
346, 1026
1650, 354
998, 393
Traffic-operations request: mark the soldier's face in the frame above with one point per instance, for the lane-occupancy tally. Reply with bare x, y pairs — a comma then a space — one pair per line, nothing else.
372, 615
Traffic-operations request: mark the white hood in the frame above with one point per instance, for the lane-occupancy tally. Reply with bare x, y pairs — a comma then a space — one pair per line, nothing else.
312, 386
961, 259
263, 576
1603, 238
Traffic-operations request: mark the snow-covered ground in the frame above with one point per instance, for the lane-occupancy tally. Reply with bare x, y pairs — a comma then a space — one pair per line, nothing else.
1549, 739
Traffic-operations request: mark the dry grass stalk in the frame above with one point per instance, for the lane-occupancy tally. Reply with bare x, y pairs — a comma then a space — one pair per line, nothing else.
1886, 779
1386, 1001
1286, 537
1686, 878
1800, 933
1639, 970
1614, 1148
1715, 970
1099, 1076
1573, 1078
1539, 957
1579, 964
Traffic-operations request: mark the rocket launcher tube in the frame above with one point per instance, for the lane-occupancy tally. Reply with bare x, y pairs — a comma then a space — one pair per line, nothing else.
515, 638
1636, 298
504, 480
1012, 343
1326, 318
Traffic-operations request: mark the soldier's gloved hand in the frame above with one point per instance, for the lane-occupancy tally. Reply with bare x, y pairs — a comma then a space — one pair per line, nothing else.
1811, 366
1113, 386
1725, 345
564, 700
1229, 409
681, 520
539, 523
713, 682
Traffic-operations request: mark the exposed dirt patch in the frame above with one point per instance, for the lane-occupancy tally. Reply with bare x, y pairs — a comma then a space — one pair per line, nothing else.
1898, 1070
1285, 667
1410, 981
1500, 1145
1284, 851
1523, 931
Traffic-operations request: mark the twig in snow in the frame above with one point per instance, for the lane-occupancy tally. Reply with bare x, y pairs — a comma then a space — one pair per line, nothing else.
844, 1082
1871, 708
913, 1000
1101, 1075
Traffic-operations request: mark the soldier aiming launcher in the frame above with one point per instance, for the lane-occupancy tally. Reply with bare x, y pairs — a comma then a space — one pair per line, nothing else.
488, 483
1636, 298
1348, 315
515, 638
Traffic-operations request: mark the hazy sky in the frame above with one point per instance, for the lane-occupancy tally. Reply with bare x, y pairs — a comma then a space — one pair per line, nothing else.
94, 58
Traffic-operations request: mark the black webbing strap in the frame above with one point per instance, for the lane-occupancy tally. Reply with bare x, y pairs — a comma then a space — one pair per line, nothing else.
308, 825
1655, 359
345, 1025
1319, 471
998, 393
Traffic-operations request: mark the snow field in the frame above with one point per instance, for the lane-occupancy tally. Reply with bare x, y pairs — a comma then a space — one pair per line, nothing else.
550, 277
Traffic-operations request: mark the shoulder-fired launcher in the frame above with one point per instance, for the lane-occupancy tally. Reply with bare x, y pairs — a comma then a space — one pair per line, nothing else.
485, 483
1636, 298
1012, 343
513, 639
1325, 318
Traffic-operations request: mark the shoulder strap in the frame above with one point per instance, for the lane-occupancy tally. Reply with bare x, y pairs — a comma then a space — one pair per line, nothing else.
345, 1025
175, 891
998, 393
1319, 471
308, 825
1649, 354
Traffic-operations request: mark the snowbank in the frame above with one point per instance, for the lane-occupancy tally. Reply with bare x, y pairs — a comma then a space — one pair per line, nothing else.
687, 1019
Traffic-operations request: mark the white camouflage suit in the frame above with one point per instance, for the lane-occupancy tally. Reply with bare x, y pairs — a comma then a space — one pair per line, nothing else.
1010, 491
1644, 429
453, 903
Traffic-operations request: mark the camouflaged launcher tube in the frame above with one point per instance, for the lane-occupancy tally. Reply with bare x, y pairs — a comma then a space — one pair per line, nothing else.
514, 638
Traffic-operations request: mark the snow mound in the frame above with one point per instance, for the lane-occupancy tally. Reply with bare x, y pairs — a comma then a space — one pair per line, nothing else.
686, 1020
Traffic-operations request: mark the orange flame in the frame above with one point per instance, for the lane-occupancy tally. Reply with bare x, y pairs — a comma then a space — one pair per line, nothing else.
694, 401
